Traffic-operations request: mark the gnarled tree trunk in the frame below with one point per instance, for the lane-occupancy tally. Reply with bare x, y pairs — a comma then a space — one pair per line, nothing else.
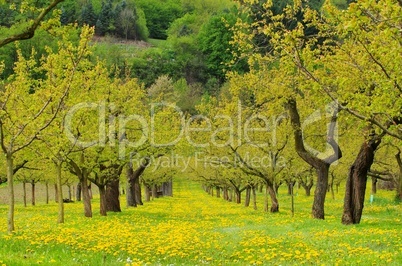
320, 165
356, 182
274, 200
134, 196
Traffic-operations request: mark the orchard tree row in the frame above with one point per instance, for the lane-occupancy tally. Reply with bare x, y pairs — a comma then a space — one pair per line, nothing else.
318, 92
64, 116
318, 82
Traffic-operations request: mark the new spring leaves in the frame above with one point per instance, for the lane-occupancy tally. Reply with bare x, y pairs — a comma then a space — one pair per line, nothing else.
166, 125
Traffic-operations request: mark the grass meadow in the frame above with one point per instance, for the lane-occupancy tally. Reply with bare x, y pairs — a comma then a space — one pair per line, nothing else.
194, 228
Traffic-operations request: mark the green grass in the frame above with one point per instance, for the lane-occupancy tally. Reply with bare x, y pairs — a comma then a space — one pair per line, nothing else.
193, 228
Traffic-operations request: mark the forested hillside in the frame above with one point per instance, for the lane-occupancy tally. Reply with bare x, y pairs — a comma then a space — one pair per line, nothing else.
197, 34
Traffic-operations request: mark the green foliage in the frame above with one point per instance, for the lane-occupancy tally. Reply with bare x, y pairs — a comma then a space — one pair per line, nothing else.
141, 25
340, 4
215, 43
7, 15
206, 7
38, 43
104, 24
88, 15
69, 11
130, 22
153, 63
160, 15
188, 95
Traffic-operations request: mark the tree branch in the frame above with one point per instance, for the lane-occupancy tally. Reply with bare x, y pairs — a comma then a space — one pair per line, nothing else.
19, 166
30, 31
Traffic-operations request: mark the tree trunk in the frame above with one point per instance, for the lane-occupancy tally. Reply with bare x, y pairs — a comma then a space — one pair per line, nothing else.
102, 199
356, 182
320, 192
218, 192
24, 193
321, 165
69, 192
248, 197
292, 203
10, 181
78, 192
238, 195
133, 178
254, 197
47, 192
373, 185
307, 188
56, 193
112, 196
266, 200
90, 190
399, 188
274, 200
130, 198
137, 189
60, 216
225, 193
33, 192
276, 188
147, 193
154, 191
398, 179
332, 185
85, 196
290, 185
168, 188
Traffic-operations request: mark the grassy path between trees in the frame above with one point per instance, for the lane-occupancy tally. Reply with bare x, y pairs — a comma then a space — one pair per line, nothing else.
193, 228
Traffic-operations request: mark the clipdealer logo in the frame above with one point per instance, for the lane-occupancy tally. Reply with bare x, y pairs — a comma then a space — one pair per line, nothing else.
112, 129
